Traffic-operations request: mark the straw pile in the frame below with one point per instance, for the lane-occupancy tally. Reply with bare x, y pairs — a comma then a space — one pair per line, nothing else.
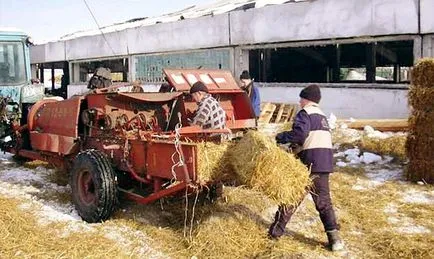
260, 164
393, 146
235, 228
421, 123
22, 237
368, 225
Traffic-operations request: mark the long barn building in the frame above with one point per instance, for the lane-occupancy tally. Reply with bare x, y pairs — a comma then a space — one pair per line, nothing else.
359, 51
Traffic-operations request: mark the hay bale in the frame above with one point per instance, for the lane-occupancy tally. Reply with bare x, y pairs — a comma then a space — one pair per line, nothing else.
422, 74
420, 170
420, 147
213, 161
393, 146
260, 164
420, 98
421, 123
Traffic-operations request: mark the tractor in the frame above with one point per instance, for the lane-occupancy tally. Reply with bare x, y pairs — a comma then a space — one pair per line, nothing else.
135, 144
17, 93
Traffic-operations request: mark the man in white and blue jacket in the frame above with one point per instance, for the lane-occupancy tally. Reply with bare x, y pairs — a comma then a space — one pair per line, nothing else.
312, 132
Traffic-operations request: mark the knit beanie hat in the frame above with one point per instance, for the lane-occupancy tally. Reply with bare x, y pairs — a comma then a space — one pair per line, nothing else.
245, 75
311, 93
198, 87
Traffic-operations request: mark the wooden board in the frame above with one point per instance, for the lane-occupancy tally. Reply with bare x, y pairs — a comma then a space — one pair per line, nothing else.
378, 124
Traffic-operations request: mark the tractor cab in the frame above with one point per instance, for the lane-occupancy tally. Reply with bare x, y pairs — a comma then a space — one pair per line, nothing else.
16, 91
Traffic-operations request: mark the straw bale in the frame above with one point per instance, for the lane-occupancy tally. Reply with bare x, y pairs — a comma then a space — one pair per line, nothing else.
260, 164
421, 98
420, 147
421, 122
213, 161
393, 146
421, 170
422, 74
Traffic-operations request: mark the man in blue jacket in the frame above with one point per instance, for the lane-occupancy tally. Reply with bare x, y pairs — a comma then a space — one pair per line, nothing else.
312, 132
252, 91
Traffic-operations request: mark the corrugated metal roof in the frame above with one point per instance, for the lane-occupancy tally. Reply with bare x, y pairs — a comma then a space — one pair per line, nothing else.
219, 7
12, 30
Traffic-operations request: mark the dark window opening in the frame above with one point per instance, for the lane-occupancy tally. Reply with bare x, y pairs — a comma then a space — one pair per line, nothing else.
118, 67
378, 62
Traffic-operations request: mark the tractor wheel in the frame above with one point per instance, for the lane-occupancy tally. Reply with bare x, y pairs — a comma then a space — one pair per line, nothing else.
94, 187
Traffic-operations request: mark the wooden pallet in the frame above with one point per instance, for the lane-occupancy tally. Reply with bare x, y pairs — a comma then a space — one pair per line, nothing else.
267, 112
277, 112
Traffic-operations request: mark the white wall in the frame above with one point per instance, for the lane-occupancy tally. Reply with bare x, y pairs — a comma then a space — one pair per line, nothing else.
96, 46
426, 16
37, 54
428, 45
348, 102
324, 19
49, 52
202, 32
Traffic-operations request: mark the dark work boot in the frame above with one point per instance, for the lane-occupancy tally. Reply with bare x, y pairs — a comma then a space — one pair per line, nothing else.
282, 217
335, 242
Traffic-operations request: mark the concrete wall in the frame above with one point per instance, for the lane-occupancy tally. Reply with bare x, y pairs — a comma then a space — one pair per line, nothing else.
202, 32
96, 46
428, 45
358, 103
50, 52
426, 16
324, 19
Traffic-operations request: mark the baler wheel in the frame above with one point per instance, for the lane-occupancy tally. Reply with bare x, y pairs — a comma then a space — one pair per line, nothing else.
94, 187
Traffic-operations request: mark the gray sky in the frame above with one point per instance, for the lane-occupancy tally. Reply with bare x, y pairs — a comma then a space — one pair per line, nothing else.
50, 19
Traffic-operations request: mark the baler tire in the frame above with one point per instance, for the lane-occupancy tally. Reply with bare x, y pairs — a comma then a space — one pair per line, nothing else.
94, 186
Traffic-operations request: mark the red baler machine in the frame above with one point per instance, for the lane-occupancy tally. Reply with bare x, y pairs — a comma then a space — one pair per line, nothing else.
134, 143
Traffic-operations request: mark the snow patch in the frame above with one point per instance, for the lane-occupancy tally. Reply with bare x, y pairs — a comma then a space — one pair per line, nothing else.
418, 197
332, 120
123, 236
21, 176
341, 164
413, 229
402, 223
352, 155
369, 158
363, 185
384, 175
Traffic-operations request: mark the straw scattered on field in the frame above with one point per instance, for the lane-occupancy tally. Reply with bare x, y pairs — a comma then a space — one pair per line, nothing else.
365, 222
233, 227
22, 236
